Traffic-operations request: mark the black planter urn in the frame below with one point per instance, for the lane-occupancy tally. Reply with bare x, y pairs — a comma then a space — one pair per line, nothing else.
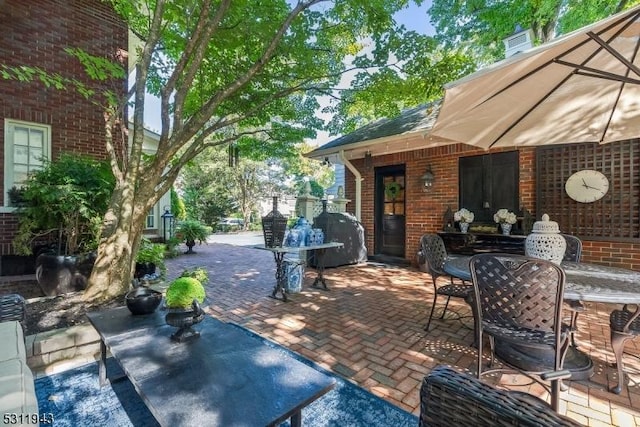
61, 274
184, 319
143, 300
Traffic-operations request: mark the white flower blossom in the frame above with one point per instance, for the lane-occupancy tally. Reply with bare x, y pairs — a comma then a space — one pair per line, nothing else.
464, 215
504, 216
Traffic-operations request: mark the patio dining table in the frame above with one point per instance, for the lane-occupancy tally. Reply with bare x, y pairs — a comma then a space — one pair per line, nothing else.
584, 282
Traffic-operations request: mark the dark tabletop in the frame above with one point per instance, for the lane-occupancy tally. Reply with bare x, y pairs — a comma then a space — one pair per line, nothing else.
226, 377
584, 281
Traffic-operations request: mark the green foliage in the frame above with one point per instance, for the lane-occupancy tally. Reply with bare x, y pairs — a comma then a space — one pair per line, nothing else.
192, 230
199, 273
479, 26
182, 291
65, 200
178, 208
171, 246
153, 253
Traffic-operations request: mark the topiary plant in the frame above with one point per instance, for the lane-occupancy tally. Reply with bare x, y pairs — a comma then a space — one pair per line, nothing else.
182, 291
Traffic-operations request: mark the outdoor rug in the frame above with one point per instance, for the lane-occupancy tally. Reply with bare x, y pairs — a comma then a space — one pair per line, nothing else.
74, 398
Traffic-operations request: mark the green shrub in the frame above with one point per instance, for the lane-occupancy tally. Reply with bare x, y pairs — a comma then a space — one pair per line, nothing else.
153, 253
192, 230
199, 273
66, 201
182, 291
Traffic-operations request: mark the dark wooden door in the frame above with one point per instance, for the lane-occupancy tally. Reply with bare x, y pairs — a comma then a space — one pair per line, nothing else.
489, 182
390, 211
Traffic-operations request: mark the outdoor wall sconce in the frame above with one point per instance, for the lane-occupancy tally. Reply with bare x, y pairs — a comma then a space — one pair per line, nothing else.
428, 179
168, 223
368, 161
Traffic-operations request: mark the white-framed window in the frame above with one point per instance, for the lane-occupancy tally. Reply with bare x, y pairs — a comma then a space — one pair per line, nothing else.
151, 218
27, 146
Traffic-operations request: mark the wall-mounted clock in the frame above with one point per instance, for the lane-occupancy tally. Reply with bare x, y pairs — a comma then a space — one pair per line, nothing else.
587, 186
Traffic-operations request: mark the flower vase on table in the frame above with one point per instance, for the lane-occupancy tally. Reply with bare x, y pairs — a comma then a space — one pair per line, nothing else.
506, 219
506, 228
464, 218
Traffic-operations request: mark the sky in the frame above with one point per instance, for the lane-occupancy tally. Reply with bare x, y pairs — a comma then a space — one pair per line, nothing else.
414, 18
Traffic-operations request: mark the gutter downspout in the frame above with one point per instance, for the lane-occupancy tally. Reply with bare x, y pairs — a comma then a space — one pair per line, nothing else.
358, 179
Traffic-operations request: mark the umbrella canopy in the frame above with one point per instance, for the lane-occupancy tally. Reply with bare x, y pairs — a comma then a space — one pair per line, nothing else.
582, 87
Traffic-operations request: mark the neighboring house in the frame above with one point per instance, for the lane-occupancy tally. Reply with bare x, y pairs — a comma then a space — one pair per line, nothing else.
36, 122
400, 150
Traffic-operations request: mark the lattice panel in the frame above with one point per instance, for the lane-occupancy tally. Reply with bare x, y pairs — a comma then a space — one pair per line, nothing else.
616, 215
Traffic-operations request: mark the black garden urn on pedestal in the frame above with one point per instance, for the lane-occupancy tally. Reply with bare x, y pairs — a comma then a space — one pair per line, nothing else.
184, 320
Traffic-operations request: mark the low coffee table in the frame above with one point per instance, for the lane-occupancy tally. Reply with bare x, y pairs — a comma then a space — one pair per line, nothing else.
225, 377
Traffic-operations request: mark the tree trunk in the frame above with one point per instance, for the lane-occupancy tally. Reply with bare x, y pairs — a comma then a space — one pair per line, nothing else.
120, 238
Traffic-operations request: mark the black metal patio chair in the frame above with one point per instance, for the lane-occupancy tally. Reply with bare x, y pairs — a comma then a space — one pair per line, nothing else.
450, 398
625, 325
519, 303
435, 254
573, 253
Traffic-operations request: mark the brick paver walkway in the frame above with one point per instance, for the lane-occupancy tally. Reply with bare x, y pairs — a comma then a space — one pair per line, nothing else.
369, 328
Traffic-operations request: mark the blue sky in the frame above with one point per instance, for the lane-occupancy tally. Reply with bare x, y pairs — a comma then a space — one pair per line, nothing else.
416, 18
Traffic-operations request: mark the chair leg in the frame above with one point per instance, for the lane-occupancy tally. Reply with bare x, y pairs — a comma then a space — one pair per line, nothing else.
480, 349
617, 343
433, 307
574, 327
446, 304
555, 394
492, 345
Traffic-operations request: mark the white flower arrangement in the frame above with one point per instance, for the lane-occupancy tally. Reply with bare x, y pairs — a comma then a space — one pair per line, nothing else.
464, 215
503, 216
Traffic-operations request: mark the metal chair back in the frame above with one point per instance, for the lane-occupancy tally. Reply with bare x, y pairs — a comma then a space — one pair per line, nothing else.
574, 248
450, 398
519, 300
435, 254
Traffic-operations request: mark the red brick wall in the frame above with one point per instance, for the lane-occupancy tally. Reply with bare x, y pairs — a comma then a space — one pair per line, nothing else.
425, 210
35, 33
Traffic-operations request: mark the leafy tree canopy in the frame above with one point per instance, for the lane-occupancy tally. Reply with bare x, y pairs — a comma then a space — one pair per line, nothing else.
480, 25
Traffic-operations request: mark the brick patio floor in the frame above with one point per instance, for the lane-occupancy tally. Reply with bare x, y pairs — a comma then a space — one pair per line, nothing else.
369, 328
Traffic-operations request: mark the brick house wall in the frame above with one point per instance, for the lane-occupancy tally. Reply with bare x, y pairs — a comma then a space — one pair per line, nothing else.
425, 210
35, 34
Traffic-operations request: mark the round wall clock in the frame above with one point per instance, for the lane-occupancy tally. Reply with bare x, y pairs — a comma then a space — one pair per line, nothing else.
587, 186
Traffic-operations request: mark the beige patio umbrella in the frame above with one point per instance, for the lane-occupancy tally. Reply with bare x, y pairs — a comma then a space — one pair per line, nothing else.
582, 87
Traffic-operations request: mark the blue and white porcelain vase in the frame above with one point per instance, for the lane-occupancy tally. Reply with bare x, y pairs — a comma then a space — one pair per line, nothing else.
506, 228
464, 227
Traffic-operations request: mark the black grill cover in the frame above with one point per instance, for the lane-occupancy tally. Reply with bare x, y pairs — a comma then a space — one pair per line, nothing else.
344, 228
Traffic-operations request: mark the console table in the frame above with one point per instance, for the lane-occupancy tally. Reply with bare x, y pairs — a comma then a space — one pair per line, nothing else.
475, 243
226, 377
278, 255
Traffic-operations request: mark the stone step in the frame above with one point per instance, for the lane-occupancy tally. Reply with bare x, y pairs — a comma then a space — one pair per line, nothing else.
61, 349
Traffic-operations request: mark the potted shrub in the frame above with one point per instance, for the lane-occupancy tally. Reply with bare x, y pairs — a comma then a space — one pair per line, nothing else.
183, 298
149, 257
63, 206
190, 231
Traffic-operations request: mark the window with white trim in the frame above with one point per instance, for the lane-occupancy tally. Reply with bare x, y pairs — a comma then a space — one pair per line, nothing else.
27, 146
151, 218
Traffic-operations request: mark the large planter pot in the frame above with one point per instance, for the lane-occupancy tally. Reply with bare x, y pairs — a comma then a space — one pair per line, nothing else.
142, 300
61, 274
184, 319
190, 244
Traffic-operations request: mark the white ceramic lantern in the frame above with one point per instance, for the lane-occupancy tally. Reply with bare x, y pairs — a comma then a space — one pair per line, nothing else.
545, 241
